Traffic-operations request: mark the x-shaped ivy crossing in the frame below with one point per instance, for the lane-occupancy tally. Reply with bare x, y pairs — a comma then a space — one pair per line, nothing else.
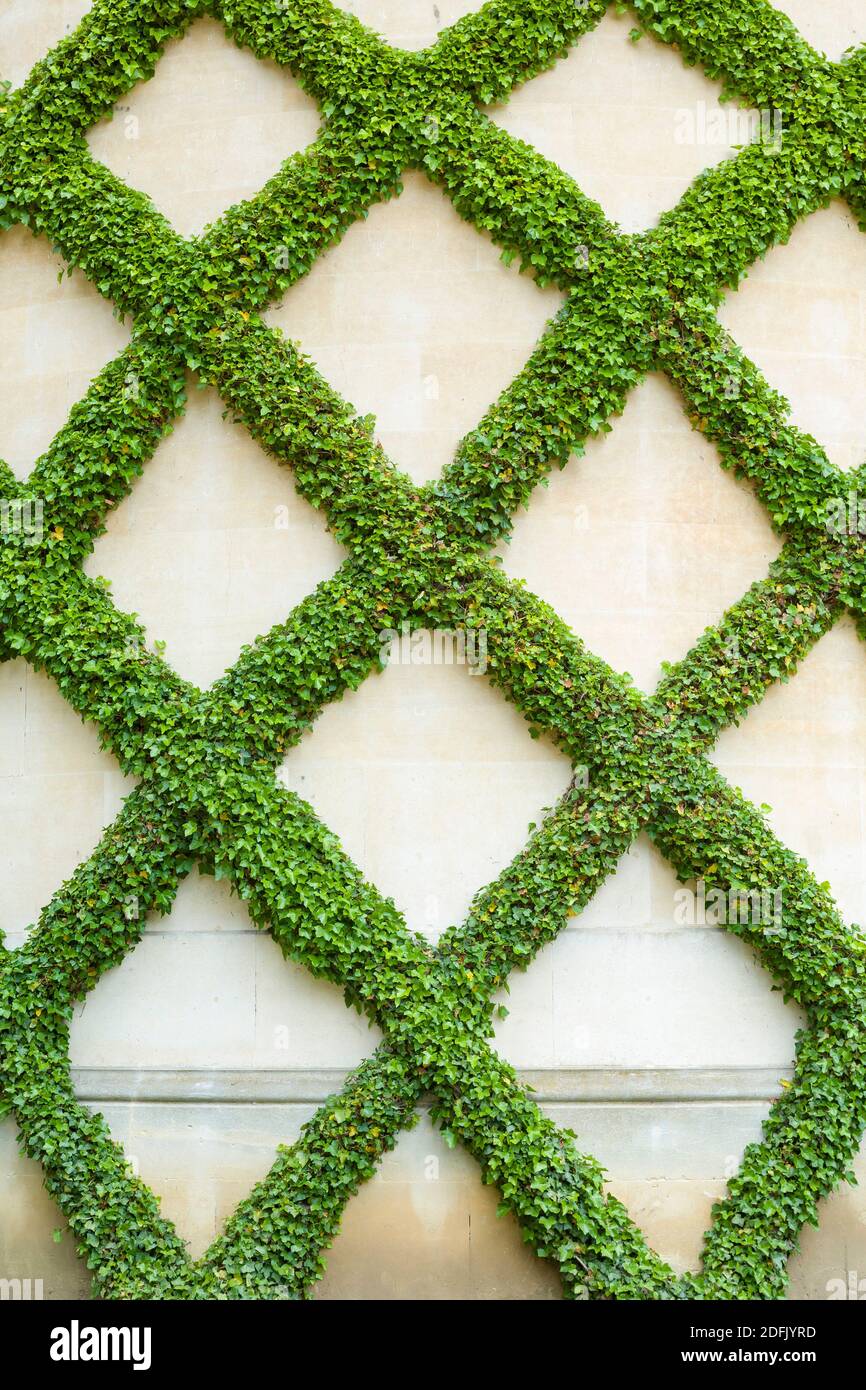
206, 760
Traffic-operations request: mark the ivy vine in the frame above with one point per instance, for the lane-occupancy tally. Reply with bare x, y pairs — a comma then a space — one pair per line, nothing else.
206, 760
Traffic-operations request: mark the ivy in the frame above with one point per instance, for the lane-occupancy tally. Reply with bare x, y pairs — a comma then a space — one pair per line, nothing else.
205, 761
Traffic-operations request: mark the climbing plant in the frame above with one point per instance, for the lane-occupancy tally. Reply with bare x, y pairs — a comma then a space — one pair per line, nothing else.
205, 761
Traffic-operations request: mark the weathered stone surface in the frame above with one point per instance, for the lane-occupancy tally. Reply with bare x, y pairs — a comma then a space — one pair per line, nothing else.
660, 1044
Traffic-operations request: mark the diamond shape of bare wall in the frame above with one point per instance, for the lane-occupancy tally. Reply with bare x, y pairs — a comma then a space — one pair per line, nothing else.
213, 546
645, 540
28, 31
831, 27
637, 146
55, 335
811, 771
210, 127
58, 791
429, 778
800, 314
411, 24
415, 318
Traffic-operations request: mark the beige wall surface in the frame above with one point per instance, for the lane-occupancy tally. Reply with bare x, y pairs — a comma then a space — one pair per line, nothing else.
661, 1044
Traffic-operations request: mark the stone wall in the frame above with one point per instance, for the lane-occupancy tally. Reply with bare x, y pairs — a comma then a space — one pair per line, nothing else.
660, 1042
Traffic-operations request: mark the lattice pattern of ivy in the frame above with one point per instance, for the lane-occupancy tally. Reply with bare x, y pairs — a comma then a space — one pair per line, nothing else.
206, 761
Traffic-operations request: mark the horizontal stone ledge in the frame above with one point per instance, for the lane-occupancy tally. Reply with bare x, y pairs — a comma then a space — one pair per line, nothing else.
258, 1086
657, 1083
